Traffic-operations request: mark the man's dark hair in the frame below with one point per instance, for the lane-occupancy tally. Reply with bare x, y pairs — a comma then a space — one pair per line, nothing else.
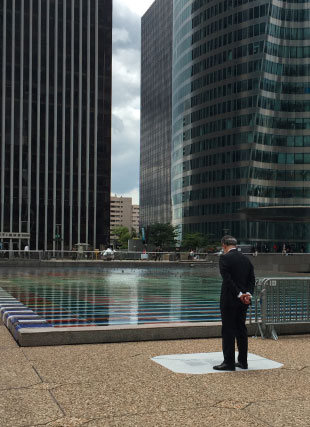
229, 240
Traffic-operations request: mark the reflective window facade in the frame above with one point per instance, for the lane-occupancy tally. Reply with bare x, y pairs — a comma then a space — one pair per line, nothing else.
240, 116
55, 114
156, 87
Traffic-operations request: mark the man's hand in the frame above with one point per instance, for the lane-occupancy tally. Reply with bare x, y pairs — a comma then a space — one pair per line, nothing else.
245, 298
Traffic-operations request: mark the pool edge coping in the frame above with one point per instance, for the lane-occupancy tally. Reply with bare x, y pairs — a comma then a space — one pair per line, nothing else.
34, 337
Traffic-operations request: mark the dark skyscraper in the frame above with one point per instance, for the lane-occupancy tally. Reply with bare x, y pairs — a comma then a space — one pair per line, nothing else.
156, 91
55, 112
241, 119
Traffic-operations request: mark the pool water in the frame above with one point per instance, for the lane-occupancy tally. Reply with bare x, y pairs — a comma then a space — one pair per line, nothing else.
99, 297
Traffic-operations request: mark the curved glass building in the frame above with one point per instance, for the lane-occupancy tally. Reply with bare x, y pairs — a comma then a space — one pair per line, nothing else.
241, 119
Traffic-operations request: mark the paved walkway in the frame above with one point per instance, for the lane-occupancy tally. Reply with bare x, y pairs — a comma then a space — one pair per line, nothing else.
118, 385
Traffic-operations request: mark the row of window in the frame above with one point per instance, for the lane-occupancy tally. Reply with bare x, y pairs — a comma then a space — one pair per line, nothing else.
240, 121
287, 175
243, 155
298, 88
243, 86
216, 159
287, 33
290, 106
236, 70
277, 140
209, 210
215, 76
252, 231
241, 190
220, 108
211, 176
239, 139
277, 104
278, 192
230, 174
220, 7
217, 9
217, 92
280, 158
220, 209
286, 69
283, 14
228, 21
236, 36
243, 51
237, 18
213, 27
245, 103
286, 51
238, 190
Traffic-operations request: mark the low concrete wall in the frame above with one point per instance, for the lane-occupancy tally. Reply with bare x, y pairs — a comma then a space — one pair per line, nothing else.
276, 263
109, 264
296, 263
32, 337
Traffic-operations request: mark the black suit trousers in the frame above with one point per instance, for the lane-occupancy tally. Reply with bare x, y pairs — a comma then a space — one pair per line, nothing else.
234, 328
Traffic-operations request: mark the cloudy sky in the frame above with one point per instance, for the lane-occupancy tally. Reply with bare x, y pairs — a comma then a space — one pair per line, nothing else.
126, 96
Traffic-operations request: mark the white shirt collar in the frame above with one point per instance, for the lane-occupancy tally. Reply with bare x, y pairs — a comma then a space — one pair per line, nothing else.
231, 249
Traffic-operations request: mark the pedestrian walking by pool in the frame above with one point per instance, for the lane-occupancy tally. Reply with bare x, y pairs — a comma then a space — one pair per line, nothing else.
237, 289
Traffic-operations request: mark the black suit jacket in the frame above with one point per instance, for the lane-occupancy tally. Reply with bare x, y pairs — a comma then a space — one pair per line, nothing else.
238, 276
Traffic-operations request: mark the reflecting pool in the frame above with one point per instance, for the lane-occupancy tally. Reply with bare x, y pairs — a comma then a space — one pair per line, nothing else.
96, 296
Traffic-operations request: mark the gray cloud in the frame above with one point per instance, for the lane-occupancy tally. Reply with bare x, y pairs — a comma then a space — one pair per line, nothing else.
125, 100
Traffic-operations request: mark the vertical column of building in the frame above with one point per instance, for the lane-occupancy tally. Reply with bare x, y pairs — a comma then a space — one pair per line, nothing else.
3, 130
29, 138
95, 125
71, 125
156, 80
63, 164
87, 121
80, 122
47, 103
21, 112
12, 121
39, 37
55, 123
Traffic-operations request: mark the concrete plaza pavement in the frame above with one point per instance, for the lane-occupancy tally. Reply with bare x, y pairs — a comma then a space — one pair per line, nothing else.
105, 385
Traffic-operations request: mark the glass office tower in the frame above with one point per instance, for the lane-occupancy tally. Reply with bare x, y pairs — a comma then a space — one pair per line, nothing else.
241, 119
156, 87
55, 113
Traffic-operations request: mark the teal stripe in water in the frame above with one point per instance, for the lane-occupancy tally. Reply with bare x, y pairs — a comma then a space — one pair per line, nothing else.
81, 297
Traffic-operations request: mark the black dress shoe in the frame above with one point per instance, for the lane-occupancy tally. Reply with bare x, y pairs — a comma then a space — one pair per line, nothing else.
241, 365
224, 367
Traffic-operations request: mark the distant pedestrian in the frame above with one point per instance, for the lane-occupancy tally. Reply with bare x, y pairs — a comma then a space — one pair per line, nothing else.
158, 254
26, 250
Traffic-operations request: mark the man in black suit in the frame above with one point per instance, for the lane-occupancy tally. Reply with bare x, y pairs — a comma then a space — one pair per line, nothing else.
237, 288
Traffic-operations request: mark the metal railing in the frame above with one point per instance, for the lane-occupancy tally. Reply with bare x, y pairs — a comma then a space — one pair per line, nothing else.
120, 255
21, 254
280, 300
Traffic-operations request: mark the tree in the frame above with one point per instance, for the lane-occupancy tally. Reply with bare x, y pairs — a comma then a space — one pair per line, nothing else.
199, 240
123, 235
193, 240
133, 234
164, 235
